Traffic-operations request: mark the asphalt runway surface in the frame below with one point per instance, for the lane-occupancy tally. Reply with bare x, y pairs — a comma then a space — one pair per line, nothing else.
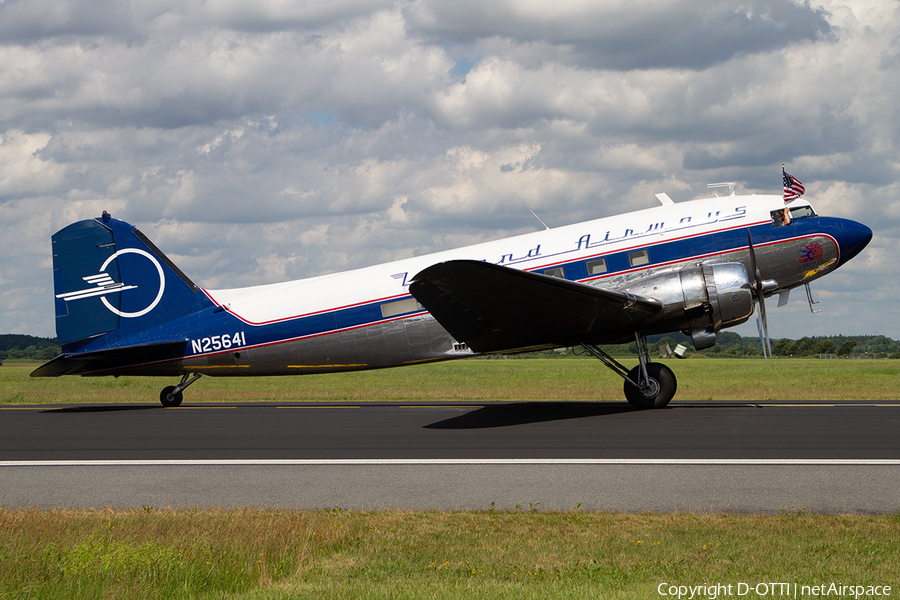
765, 457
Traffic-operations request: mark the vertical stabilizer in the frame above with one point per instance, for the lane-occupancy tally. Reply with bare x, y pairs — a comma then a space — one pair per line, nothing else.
109, 279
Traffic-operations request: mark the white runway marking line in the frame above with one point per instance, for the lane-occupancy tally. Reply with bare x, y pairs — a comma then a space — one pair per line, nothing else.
456, 461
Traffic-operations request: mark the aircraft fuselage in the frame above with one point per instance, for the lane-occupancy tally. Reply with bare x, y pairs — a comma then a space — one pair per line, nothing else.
366, 318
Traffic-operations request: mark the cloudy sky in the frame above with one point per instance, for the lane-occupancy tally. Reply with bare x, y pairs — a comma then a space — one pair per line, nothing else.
256, 142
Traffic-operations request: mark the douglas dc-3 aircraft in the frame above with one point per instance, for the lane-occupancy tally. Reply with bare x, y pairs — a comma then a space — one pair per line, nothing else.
123, 308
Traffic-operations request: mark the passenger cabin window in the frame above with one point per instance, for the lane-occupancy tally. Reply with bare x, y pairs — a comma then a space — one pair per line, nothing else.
557, 272
636, 259
595, 267
392, 309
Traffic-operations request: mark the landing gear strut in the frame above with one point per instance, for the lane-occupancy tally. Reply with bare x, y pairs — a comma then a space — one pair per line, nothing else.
648, 385
171, 395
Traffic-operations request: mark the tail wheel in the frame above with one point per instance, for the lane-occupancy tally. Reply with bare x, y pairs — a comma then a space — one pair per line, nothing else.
169, 397
654, 393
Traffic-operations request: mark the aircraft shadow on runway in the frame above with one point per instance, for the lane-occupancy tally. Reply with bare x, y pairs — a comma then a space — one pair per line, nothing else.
520, 413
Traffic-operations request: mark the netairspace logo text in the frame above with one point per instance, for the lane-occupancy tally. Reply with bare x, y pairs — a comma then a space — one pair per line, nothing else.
712, 591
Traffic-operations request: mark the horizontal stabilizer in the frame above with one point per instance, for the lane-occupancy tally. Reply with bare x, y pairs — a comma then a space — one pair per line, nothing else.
103, 361
493, 308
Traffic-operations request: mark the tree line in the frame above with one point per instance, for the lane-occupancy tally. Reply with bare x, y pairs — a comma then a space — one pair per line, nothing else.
728, 344
13, 345
732, 344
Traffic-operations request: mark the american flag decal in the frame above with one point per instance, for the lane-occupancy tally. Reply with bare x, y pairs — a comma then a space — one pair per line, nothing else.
812, 251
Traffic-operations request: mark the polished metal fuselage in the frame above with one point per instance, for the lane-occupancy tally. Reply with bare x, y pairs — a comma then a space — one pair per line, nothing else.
366, 319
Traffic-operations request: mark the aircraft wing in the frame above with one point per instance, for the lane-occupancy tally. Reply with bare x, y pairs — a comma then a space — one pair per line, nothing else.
492, 308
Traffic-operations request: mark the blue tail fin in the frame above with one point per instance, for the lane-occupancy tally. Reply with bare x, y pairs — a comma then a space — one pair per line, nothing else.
109, 279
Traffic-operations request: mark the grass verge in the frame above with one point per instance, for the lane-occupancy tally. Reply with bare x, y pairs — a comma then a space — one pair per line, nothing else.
349, 554
483, 380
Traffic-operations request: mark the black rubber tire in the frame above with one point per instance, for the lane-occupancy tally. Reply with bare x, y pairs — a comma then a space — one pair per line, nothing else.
663, 376
174, 401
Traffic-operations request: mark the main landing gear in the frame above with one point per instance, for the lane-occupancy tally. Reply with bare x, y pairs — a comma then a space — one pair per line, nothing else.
648, 385
171, 395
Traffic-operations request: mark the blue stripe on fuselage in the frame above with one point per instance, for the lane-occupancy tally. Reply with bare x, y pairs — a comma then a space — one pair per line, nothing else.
368, 314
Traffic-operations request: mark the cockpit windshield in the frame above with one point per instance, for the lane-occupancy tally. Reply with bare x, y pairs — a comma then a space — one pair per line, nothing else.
802, 212
786, 216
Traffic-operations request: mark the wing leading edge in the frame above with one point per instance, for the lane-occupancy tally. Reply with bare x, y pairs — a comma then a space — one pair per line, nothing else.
492, 308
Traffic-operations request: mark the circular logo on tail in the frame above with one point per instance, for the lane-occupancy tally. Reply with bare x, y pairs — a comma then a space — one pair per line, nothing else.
162, 283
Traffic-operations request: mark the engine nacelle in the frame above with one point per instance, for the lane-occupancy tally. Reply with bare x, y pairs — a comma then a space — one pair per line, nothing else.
698, 300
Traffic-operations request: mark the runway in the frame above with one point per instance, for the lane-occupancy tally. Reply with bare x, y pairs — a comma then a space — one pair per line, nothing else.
718, 456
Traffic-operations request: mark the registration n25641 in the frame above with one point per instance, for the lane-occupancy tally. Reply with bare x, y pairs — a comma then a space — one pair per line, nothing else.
218, 342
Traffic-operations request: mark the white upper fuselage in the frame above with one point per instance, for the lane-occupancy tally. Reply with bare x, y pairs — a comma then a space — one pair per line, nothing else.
539, 250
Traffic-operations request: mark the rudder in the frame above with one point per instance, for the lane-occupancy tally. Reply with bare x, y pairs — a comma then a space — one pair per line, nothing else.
109, 279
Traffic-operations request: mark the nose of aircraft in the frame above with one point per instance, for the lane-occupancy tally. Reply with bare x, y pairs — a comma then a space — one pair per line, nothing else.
852, 239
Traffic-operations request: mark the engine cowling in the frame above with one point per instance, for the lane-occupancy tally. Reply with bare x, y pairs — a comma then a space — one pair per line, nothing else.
698, 300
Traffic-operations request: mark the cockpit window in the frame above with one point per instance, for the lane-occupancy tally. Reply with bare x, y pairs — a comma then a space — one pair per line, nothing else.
802, 212
778, 218
786, 216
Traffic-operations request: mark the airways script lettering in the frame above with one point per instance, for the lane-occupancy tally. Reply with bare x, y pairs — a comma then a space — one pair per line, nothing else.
591, 241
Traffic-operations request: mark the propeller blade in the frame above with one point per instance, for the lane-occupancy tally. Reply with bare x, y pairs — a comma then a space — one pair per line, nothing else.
759, 328
765, 326
759, 287
754, 270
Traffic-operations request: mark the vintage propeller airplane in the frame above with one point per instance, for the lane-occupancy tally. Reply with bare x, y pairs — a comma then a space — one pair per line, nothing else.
123, 308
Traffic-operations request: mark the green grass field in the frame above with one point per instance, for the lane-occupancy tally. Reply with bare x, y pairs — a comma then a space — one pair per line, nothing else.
278, 554
244, 554
574, 379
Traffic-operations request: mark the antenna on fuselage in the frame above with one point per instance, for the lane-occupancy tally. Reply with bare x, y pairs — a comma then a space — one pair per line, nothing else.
539, 219
664, 199
729, 184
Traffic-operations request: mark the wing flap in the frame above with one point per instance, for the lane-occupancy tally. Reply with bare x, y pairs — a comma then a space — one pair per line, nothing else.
493, 308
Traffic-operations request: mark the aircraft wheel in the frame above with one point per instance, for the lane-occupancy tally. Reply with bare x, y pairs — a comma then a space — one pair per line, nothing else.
661, 388
168, 399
